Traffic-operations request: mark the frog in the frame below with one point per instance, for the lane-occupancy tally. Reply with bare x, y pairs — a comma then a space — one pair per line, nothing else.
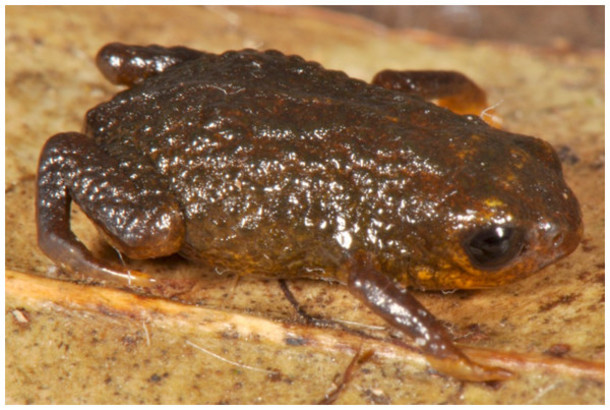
263, 164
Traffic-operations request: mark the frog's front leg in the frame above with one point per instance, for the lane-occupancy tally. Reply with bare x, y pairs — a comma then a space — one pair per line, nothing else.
449, 89
398, 307
137, 216
128, 65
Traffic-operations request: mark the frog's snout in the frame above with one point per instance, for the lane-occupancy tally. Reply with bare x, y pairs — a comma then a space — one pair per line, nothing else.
563, 239
562, 236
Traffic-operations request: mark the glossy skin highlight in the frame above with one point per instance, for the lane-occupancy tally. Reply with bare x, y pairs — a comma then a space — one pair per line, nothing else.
257, 163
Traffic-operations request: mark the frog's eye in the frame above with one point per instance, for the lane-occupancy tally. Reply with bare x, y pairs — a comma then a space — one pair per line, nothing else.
494, 246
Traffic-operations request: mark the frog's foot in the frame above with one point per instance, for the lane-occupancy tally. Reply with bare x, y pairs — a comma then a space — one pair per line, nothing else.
309, 319
128, 65
92, 270
138, 217
399, 308
463, 368
73, 257
448, 89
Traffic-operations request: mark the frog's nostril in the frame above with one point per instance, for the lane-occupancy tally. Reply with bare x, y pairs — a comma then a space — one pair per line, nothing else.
558, 239
563, 239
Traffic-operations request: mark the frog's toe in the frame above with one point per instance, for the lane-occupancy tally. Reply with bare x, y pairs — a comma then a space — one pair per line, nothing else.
128, 65
465, 369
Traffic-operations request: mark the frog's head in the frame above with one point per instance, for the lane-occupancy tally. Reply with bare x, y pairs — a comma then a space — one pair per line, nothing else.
506, 212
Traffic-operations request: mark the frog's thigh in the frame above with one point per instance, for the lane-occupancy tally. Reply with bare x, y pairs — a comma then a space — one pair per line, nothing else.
128, 65
138, 220
398, 307
448, 89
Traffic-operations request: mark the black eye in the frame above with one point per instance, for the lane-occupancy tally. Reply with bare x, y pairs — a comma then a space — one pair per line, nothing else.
494, 246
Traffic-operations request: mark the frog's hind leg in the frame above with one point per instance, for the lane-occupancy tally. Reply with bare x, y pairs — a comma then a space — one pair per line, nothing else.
309, 319
128, 65
399, 308
138, 219
449, 89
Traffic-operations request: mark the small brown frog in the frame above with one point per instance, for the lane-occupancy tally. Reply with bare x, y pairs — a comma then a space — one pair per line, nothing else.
259, 163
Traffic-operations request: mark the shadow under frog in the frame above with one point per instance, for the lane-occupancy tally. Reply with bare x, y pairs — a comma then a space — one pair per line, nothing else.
258, 163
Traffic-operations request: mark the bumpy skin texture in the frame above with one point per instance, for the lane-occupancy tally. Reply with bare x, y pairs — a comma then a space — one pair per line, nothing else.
257, 163
284, 168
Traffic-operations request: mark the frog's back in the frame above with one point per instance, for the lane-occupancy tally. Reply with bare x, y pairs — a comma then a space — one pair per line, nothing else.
257, 147
280, 164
